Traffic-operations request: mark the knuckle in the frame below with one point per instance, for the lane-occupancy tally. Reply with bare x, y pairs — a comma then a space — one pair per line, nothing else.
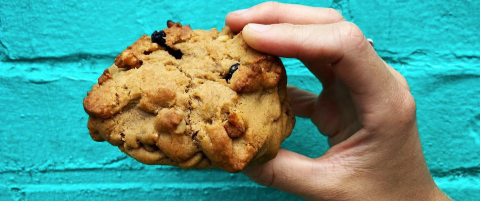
398, 113
398, 76
301, 38
404, 82
406, 109
410, 107
268, 6
352, 36
304, 39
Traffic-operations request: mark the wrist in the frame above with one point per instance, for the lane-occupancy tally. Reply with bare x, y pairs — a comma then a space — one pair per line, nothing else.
419, 192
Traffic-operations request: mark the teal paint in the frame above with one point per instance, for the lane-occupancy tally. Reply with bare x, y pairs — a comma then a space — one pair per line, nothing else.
52, 52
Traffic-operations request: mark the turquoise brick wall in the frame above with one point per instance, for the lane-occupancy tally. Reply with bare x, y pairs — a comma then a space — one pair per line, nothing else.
51, 53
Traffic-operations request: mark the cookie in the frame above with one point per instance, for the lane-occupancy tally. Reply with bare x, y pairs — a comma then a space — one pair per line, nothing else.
194, 99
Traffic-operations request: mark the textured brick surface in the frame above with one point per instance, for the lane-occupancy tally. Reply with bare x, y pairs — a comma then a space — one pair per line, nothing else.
51, 53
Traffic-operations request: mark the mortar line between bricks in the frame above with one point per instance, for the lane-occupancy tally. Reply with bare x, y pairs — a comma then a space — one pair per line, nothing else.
464, 171
74, 58
132, 185
386, 54
87, 169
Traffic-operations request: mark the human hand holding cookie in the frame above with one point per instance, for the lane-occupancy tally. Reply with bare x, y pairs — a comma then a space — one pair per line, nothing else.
210, 99
366, 110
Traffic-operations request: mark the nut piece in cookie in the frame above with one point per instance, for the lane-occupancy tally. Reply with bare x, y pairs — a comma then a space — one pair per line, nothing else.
127, 60
235, 125
168, 120
104, 77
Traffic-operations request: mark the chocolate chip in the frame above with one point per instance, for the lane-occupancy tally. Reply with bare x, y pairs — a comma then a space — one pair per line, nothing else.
232, 70
175, 53
158, 37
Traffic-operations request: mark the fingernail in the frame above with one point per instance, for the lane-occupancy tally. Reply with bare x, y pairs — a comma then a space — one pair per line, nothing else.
239, 12
259, 27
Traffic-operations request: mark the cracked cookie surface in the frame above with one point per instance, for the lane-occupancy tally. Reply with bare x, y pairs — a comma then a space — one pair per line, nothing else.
199, 99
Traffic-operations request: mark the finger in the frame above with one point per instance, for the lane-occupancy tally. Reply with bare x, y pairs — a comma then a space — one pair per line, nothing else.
398, 76
274, 13
342, 45
289, 172
302, 101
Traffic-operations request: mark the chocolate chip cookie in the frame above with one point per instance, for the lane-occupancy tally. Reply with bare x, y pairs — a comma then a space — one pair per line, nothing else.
193, 99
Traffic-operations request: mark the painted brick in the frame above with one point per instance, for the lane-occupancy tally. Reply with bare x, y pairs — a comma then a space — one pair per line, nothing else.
51, 53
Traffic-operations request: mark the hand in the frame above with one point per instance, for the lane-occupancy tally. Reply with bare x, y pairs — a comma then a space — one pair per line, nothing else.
365, 109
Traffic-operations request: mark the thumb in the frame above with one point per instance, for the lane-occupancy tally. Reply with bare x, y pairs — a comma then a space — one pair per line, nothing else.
290, 172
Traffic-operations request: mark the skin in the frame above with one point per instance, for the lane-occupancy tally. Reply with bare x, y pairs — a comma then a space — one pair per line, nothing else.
366, 110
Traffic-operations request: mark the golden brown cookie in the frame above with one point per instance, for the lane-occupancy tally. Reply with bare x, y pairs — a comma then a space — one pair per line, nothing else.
194, 99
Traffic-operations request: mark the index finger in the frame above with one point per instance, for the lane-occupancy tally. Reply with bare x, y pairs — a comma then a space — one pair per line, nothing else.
274, 13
